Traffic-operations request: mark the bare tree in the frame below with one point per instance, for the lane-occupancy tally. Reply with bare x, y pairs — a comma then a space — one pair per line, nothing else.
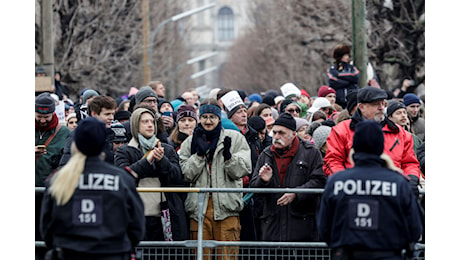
98, 44
292, 41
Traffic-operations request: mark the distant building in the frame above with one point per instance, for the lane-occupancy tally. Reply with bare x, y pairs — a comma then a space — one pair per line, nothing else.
214, 30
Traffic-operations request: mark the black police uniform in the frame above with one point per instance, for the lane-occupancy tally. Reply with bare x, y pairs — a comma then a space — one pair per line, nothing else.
369, 211
104, 219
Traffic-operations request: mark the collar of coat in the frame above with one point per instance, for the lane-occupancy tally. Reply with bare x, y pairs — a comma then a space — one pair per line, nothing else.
387, 124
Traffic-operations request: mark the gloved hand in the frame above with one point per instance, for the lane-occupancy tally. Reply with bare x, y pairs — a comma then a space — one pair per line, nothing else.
414, 182
199, 144
227, 145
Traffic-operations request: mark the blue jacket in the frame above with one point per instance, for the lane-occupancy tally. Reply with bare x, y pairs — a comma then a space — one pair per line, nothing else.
369, 207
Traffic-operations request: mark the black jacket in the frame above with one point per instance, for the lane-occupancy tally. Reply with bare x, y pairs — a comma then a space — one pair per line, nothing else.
369, 207
170, 174
106, 217
343, 78
296, 221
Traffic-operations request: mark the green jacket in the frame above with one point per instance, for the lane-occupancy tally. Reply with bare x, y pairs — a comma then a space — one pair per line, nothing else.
48, 162
221, 174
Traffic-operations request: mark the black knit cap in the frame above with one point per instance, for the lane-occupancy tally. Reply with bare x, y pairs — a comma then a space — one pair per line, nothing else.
394, 105
256, 122
368, 137
44, 103
371, 94
352, 100
122, 115
286, 120
90, 136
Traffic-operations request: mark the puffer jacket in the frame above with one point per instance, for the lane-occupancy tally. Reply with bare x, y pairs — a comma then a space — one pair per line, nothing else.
217, 174
398, 145
296, 221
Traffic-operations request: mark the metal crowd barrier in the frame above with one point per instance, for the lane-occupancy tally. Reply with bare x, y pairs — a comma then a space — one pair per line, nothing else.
194, 249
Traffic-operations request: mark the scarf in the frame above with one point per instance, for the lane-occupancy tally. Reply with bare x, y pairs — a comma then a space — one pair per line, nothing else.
147, 144
211, 136
283, 158
51, 125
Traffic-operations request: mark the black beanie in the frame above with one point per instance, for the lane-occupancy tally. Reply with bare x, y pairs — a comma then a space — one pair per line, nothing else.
90, 136
368, 137
352, 100
286, 120
122, 115
256, 122
269, 100
394, 105
44, 103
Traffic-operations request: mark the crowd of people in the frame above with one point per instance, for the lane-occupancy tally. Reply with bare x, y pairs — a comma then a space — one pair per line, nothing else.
281, 138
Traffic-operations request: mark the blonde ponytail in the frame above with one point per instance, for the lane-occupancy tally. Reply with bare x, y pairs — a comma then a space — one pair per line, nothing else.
64, 182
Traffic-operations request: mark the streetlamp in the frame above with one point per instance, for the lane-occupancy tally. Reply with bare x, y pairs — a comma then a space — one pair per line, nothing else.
173, 19
203, 72
189, 62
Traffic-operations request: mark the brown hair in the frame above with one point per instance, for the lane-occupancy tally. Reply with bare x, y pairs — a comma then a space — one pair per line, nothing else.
261, 107
154, 84
96, 104
339, 51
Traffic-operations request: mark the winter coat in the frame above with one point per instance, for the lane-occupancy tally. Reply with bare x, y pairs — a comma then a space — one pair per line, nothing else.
107, 219
369, 207
47, 163
398, 145
343, 78
296, 221
163, 173
217, 174
252, 137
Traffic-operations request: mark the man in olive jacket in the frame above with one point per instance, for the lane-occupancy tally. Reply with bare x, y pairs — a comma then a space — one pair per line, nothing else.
289, 163
214, 157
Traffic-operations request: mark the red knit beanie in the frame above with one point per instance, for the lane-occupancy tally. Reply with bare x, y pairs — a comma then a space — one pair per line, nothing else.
325, 90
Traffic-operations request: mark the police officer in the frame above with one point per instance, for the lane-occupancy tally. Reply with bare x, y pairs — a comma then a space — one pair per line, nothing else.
91, 209
369, 211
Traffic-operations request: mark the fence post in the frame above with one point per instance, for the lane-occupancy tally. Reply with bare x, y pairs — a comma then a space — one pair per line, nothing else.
200, 225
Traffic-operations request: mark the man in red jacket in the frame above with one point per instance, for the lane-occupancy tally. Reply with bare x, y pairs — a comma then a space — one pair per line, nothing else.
398, 142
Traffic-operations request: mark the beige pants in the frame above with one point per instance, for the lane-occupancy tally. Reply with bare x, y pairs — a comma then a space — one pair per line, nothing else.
223, 230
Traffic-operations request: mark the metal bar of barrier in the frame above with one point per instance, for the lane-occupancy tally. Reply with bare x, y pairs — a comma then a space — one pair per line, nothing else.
205, 190
199, 244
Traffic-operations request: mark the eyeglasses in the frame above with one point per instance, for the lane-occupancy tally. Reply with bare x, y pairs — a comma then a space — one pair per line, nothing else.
150, 101
211, 118
293, 110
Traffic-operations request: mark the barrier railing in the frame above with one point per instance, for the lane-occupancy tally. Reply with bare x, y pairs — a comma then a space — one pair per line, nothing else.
199, 244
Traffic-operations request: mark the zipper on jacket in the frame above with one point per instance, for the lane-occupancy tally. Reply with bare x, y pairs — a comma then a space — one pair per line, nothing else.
397, 142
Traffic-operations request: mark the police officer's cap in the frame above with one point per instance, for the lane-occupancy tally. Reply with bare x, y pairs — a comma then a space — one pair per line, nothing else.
368, 137
90, 136
371, 94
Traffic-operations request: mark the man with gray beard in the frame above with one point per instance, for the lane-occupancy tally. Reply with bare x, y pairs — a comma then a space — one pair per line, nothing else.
289, 163
398, 142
